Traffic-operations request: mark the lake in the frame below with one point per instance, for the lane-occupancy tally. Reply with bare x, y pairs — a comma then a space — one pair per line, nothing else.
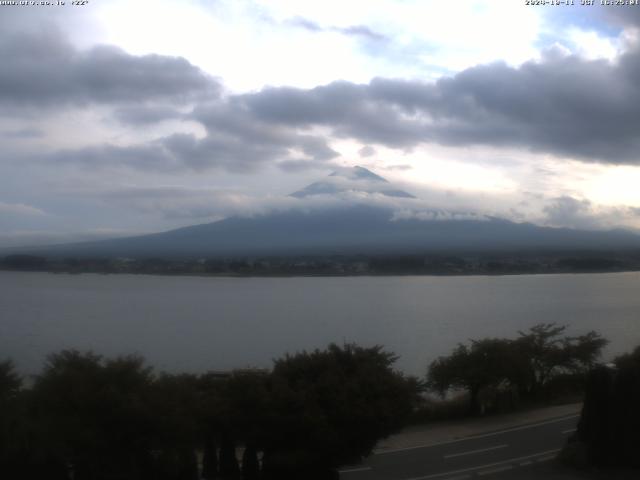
208, 323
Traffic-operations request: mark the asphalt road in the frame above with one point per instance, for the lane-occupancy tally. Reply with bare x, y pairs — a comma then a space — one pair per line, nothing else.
481, 456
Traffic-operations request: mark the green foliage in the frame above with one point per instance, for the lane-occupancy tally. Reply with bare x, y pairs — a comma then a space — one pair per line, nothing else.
10, 381
98, 419
608, 429
526, 364
94, 413
484, 363
546, 354
629, 360
333, 405
11, 432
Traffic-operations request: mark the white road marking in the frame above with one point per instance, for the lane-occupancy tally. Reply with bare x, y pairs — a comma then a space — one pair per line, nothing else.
495, 470
524, 464
571, 430
352, 470
481, 467
545, 459
471, 452
483, 435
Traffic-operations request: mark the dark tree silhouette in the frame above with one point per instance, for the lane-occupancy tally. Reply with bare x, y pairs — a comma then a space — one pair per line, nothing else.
250, 464
229, 466
527, 363
91, 418
94, 414
11, 432
10, 381
174, 403
209, 458
330, 407
546, 352
607, 434
484, 363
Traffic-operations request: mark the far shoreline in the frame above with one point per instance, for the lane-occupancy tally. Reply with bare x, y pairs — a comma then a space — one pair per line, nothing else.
324, 275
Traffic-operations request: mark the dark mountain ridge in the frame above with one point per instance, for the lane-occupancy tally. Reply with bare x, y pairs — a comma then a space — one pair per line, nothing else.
350, 229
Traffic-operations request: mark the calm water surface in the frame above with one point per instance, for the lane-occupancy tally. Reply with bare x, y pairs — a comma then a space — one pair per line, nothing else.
199, 323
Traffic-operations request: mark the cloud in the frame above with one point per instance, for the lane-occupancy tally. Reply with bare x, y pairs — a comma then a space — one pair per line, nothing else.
145, 157
362, 31
625, 16
19, 209
436, 216
399, 167
569, 212
238, 150
207, 203
139, 115
352, 30
22, 133
566, 211
367, 151
45, 70
563, 105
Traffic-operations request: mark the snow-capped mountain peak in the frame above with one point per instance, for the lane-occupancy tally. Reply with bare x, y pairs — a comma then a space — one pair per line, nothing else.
355, 179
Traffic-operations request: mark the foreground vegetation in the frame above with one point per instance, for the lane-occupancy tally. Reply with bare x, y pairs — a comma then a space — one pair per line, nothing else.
85, 417
609, 427
90, 418
501, 373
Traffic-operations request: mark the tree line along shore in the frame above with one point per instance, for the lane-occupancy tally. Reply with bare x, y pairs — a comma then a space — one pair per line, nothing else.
497, 263
86, 417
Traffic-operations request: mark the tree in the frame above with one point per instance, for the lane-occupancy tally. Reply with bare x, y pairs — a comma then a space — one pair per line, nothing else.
528, 362
484, 363
629, 360
93, 414
607, 433
546, 353
331, 407
175, 404
10, 381
11, 419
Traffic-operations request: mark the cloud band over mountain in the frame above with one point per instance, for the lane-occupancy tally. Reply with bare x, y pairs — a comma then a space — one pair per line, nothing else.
563, 105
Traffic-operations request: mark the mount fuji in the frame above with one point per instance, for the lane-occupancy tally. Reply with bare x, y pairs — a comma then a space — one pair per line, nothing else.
355, 212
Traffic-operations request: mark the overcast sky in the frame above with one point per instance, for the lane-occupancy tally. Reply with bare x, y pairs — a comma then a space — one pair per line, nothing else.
123, 117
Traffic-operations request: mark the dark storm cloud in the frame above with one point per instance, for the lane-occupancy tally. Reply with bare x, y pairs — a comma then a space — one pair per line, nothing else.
622, 15
238, 140
232, 151
216, 150
42, 70
146, 114
241, 148
177, 152
150, 157
564, 105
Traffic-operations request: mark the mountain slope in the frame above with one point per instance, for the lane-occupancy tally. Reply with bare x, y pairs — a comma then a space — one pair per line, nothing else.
351, 228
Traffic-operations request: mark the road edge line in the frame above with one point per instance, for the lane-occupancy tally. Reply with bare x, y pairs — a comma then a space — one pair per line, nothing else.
480, 435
